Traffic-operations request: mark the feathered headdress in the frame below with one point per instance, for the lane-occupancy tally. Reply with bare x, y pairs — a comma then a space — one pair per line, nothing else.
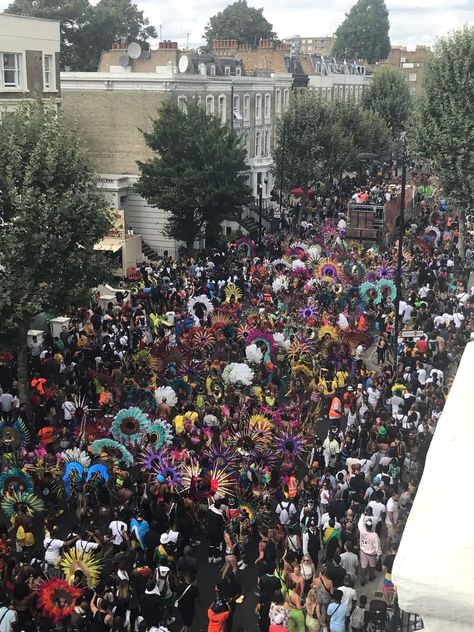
21, 503
14, 480
108, 448
264, 337
388, 286
129, 425
57, 599
13, 434
369, 292
160, 434
238, 373
166, 392
87, 563
328, 270
247, 245
203, 338
234, 291
289, 444
253, 354
205, 304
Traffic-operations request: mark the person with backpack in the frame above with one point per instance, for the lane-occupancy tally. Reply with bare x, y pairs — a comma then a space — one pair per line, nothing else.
81, 618
215, 531
8, 616
358, 616
336, 613
285, 510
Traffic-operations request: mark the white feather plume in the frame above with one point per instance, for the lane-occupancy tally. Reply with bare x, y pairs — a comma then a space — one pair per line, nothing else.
238, 372
168, 393
253, 354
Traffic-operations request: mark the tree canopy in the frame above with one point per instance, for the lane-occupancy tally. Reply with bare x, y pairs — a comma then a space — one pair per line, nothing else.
442, 129
86, 29
364, 32
54, 217
197, 172
241, 22
318, 140
388, 95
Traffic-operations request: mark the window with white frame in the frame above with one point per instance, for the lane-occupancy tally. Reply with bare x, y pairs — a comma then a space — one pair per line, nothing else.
266, 143
268, 106
286, 98
236, 104
183, 104
209, 104
48, 76
258, 106
222, 112
278, 100
238, 71
246, 109
412, 76
246, 143
258, 142
227, 71
11, 70
212, 70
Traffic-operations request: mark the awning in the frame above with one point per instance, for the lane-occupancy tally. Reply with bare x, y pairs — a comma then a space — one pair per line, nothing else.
433, 569
109, 245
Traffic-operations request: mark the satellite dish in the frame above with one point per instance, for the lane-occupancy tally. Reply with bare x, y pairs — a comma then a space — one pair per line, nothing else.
124, 60
183, 63
134, 50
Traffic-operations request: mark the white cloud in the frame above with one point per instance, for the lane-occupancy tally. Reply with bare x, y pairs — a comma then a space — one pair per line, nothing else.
412, 21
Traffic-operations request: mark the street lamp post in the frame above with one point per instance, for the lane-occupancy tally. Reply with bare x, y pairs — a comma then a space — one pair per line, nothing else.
401, 231
260, 213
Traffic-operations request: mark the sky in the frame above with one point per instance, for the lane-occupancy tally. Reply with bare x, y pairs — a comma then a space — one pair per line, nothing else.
411, 21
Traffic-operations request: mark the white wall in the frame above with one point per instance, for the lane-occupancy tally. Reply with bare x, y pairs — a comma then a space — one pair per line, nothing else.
433, 569
18, 34
149, 222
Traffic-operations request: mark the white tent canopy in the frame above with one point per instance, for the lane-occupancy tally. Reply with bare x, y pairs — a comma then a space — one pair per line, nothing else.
434, 567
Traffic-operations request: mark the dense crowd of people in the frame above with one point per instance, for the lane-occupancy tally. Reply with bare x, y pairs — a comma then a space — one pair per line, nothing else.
235, 418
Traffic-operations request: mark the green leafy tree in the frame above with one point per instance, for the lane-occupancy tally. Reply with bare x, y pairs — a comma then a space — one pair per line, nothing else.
355, 131
318, 140
364, 32
241, 22
54, 217
110, 20
303, 139
197, 172
389, 96
88, 30
442, 129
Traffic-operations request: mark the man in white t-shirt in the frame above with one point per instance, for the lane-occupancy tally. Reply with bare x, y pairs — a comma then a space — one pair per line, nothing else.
85, 545
53, 545
395, 402
378, 509
118, 529
349, 595
68, 410
373, 396
391, 517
